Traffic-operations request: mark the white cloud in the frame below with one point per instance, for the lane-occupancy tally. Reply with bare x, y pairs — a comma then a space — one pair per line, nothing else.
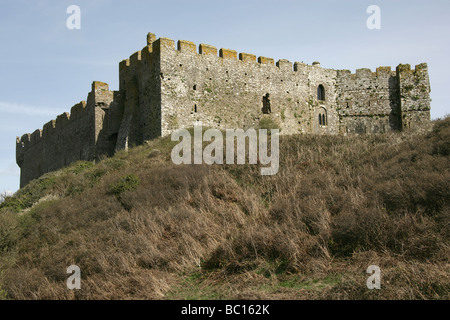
15, 108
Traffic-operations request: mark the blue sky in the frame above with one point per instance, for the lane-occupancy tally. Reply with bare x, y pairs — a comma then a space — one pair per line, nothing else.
45, 68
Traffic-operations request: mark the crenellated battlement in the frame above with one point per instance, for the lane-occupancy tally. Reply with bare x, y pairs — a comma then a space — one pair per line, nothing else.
184, 46
227, 54
405, 70
66, 120
366, 73
247, 57
78, 111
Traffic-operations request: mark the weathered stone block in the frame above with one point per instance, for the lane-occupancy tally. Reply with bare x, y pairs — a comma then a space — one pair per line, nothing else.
186, 46
207, 49
265, 60
228, 54
247, 57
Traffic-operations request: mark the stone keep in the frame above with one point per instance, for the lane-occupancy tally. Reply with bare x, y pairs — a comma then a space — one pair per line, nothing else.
163, 88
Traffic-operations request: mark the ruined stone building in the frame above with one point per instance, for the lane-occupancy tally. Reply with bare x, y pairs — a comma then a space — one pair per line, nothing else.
163, 88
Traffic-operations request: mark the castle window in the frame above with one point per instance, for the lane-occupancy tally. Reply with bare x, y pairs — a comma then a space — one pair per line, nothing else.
195, 87
323, 118
195, 108
320, 93
266, 104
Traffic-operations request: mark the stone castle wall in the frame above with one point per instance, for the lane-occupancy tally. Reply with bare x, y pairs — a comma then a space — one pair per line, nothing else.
372, 102
164, 87
71, 137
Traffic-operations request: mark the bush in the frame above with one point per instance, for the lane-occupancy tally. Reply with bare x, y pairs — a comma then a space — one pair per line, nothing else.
440, 137
268, 123
14, 204
81, 166
126, 183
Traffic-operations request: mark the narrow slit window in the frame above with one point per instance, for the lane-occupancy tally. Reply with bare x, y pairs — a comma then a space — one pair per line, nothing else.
320, 93
266, 104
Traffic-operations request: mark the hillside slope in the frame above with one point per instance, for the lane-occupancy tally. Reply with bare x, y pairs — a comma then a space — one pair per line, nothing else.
140, 227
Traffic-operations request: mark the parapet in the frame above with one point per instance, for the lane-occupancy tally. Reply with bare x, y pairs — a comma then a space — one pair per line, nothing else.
247, 57
135, 58
24, 140
265, 60
124, 64
299, 65
62, 121
383, 71
206, 49
146, 52
344, 73
49, 128
365, 73
77, 111
421, 67
186, 46
36, 136
163, 44
99, 86
228, 54
405, 69
284, 64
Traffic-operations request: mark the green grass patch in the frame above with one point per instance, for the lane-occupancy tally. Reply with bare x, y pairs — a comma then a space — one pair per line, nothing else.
126, 183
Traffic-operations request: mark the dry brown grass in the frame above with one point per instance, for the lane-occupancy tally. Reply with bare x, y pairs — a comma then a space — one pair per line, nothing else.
337, 205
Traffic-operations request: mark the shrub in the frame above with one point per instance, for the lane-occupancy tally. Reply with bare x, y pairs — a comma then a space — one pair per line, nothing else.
268, 123
82, 166
15, 204
126, 183
440, 137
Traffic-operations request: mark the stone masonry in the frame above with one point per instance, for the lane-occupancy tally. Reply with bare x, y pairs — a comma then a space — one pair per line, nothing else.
163, 88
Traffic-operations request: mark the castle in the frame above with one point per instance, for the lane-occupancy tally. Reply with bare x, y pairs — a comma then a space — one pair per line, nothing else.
163, 88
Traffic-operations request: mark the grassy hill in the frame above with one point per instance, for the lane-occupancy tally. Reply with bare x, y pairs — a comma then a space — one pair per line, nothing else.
140, 227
